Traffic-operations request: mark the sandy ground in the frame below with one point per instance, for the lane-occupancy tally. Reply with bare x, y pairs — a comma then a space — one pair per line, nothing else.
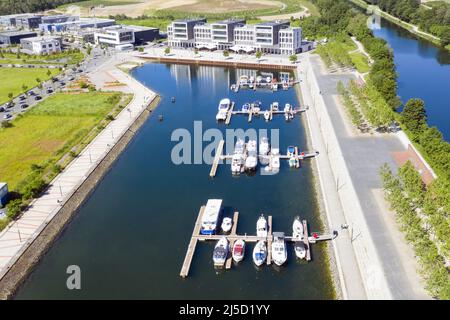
146, 6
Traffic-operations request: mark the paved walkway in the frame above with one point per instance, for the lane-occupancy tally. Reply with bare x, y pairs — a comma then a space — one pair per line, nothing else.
20, 233
363, 157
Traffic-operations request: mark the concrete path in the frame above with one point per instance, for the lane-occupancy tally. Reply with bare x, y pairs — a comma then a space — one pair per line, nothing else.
363, 157
20, 233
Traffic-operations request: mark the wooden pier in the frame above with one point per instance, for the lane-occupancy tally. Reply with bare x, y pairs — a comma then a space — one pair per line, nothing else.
230, 113
232, 237
251, 113
217, 158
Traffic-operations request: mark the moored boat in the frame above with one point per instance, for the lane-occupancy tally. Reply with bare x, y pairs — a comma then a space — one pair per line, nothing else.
220, 252
267, 115
227, 223
279, 252
300, 250
210, 216
238, 250
251, 161
259, 253
297, 228
261, 226
275, 106
224, 106
264, 146
246, 107
290, 151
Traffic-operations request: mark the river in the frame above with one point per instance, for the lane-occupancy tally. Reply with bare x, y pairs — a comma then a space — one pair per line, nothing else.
423, 72
130, 237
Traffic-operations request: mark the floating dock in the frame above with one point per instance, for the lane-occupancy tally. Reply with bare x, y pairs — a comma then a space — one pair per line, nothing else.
217, 158
233, 237
251, 113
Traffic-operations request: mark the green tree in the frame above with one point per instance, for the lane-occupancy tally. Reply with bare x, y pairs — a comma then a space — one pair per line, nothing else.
226, 53
293, 58
167, 50
10, 95
414, 116
258, 54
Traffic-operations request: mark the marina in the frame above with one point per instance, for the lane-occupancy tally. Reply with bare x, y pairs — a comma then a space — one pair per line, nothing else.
232, 237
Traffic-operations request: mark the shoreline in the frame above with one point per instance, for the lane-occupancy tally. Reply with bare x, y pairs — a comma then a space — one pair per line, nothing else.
331, 258
25, 264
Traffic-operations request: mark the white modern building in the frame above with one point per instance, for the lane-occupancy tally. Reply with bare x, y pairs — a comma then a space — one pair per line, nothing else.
114, 36
42, 45
275, 37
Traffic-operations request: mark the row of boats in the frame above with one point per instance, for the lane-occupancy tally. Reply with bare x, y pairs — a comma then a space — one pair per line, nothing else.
259, 81
260, 251
254, 108
209, 224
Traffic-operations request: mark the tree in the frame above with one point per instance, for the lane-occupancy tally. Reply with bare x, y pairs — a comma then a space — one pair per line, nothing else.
38, 80
258, 54
10, 95
293, 58
49, 73
226, 53
167, 50
24, 87
414, 116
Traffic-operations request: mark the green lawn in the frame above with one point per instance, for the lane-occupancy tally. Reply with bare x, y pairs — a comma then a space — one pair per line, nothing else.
69, 58
12, 80
360, 62
48, 131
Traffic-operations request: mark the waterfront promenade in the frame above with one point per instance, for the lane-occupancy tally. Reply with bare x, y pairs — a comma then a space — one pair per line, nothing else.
16, 238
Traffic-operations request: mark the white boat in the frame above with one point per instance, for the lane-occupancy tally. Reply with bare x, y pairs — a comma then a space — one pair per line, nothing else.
267, 115
243, 80
220, 252
211, 216
264, 146
227, 223
275, 159
297, 228
294, 162
256, 107
224, 106
259, 253
238, 250
251, 161
258, 80
285, 85
261, 227
239, 156
279, 252
290, 151
287, 108
268, 79
275, 106
275, 86
300, 250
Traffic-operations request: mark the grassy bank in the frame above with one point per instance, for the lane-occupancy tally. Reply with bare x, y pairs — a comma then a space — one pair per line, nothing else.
13, 80
63, 58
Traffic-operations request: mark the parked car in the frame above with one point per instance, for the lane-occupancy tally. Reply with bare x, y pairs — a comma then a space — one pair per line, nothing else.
2, 109
9, 105
37, 98
49, 91
7, 116
24, 105
21, 98
31, 93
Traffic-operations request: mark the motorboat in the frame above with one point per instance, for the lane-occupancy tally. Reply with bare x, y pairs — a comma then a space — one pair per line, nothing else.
246, 108
275, 86
256, 107
227, 223
261, 227
267, 115
279, 252
300, 250
259, 80
275, 106
237, 164
252, 156
294, 162
268, 79
259, 253
243, 80
290, 151
287, 108
285, 85
297, 228
275, 159
224, 106
211, 216
239, 156
264, 146
238, 250
220, 252
251, 82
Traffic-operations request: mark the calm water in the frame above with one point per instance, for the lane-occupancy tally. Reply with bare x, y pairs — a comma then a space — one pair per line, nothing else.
131, 236
423, 72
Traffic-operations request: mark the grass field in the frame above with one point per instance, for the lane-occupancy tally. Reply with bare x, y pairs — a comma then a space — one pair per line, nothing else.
360, 62
12, 80
95, 3
48, 131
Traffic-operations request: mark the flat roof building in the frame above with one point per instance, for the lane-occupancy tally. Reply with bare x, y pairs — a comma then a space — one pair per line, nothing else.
29, 22
42, 45
14, 37
114, 36
271, 37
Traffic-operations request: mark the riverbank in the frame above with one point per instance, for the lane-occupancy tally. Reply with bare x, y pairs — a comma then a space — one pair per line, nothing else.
405, 25
25, 239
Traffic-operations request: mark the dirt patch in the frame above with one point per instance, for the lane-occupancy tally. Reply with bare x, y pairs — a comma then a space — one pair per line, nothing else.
221, 6
410, 155
48, 145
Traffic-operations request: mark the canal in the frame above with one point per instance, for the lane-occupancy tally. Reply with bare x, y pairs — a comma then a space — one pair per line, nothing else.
423, 72
130, 237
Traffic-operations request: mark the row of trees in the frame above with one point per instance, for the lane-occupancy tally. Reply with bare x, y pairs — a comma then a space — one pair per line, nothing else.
435, 18
23, 6
421, 213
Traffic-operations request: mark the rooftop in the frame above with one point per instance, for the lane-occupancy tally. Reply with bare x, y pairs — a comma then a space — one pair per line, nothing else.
13, 33
191, 20
42, 38
230, 21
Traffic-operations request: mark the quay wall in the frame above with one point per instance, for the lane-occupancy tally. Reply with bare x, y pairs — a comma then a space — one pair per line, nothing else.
374, 281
